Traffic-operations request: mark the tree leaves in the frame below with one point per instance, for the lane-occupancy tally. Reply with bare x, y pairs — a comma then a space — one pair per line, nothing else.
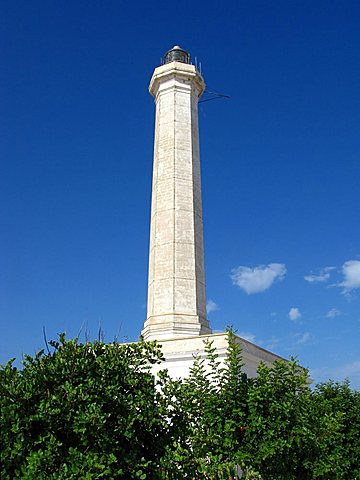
94, 410
91, 404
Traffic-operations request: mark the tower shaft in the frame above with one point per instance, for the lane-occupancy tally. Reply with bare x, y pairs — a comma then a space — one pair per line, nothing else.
176, 282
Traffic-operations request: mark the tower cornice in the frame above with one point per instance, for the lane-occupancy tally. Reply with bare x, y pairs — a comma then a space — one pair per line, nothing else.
183, 73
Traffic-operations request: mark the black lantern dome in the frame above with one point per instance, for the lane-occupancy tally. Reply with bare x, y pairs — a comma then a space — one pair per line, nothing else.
176, 54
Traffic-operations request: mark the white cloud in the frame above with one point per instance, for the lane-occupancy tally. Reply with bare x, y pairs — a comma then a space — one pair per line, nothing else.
322, 276
334, 312
211, 306
272, 343
294, 314
257, 279
351, 272
303, 338
250, 337
269, 344
348, 370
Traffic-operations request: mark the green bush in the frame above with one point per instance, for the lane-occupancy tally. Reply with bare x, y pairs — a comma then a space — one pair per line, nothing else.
84, 411
94, 411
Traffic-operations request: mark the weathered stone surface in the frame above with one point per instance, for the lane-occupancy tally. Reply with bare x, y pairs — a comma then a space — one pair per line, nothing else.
176, 284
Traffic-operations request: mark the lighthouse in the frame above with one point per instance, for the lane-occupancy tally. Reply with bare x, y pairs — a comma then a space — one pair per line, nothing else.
176, 304
176, 311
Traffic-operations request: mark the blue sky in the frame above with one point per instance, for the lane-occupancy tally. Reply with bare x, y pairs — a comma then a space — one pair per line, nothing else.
280, 170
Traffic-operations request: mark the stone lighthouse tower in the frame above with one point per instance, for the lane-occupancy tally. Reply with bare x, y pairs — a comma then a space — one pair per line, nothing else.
176, 282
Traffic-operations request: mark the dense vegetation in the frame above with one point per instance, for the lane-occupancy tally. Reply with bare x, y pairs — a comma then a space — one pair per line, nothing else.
94, 411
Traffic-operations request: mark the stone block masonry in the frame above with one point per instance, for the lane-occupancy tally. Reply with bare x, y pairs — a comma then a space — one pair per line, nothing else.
176, 282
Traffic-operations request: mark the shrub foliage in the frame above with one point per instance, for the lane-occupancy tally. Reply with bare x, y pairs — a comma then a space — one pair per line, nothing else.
94, 410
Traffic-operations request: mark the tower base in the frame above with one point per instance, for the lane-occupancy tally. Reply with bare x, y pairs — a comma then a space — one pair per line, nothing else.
166, 327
